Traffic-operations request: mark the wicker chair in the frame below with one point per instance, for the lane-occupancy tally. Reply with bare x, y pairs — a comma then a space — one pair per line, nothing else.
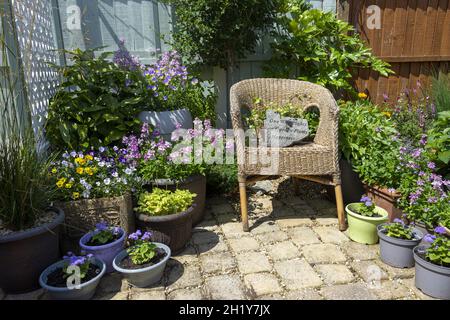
316, 161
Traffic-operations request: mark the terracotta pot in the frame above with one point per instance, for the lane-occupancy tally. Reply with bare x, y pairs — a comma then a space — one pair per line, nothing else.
25, 254
386, 200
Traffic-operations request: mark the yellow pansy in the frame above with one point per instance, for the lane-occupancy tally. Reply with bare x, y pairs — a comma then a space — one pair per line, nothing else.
68, 185
80, 160
54, 170
80, 170
75, 195
387, 114
61, 182
89, 171
362, 95
89, 157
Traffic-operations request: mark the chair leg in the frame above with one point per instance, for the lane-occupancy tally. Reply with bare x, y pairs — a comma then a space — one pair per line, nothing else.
244, 204
340, 207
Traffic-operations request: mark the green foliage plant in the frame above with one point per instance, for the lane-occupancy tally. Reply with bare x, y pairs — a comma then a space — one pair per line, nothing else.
313, 45
97, 103
438, 142
140, 248
162, 202
398, 229
440, 91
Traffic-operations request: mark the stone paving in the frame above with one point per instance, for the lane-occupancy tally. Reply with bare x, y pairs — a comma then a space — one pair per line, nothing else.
294, 251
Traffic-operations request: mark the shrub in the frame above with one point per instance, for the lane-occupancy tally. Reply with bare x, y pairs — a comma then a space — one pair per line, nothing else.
97, 103
315, 46
438, 142
369, 140
161, 202
218, 33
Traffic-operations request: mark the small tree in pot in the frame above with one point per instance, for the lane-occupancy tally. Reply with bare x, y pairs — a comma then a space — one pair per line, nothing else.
397, 241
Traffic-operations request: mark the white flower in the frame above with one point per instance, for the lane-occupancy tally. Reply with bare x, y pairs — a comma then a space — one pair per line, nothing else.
107, 181
115, 174
98, 183
101, 164
128, 171
86, 194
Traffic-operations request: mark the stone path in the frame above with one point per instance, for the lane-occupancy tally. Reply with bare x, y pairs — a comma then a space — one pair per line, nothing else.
293, 251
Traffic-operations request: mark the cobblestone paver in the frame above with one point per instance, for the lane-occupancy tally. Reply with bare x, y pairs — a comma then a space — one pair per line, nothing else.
294, 251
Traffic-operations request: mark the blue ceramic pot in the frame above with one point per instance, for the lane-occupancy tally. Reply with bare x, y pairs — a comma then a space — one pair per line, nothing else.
106, 252
85, 291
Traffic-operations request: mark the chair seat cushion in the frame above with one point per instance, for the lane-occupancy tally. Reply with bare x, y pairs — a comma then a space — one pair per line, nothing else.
308, 159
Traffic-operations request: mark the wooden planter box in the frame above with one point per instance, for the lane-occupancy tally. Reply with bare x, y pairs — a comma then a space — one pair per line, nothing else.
83, 215
386, 200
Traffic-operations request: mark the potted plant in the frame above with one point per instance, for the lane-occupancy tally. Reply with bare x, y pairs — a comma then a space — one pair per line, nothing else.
397, 241
172, 165
433, 265
104, 242
144, 261
169, 212
363, 218
29, 225
95, 185
370, 142
74, 278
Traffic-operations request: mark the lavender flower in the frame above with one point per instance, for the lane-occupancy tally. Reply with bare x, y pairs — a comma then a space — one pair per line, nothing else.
429, 238
440, 230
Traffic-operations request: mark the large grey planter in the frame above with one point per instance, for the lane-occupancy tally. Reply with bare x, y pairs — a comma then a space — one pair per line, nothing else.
86, 290
144, 277
396, 252
431, 279
166, 121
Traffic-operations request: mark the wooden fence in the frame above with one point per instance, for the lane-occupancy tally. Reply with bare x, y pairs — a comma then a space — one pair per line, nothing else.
414, 37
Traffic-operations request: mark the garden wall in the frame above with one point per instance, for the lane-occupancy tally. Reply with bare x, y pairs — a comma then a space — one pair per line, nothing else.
414, 37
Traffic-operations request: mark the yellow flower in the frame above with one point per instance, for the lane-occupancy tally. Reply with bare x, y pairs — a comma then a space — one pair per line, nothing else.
362, 95
80, 160
54, 170
61, 182
89, 171
68, 185
75, 195
387, 114
89, 157
80, 170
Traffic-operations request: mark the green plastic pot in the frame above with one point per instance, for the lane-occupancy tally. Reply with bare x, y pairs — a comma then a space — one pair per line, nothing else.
364, 229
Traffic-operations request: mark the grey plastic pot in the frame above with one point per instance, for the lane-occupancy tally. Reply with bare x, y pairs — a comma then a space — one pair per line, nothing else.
144, 277
431, 279
396, 252
85, 291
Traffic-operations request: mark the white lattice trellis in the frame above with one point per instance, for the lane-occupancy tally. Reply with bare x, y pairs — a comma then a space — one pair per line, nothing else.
35, 31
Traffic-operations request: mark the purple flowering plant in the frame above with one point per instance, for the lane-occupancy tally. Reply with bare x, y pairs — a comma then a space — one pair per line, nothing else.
366, 207
438, 251
140, 249
104, 234
82, 262
399, 229
425, 195
97, 173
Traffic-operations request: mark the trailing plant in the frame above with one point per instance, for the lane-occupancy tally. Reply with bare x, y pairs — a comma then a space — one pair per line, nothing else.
313, 45
439, 250
257, 115
162, 202
106, 172
369, 140
141, 250
399, 229
96, 104
103, 234
218, 33
82, 263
